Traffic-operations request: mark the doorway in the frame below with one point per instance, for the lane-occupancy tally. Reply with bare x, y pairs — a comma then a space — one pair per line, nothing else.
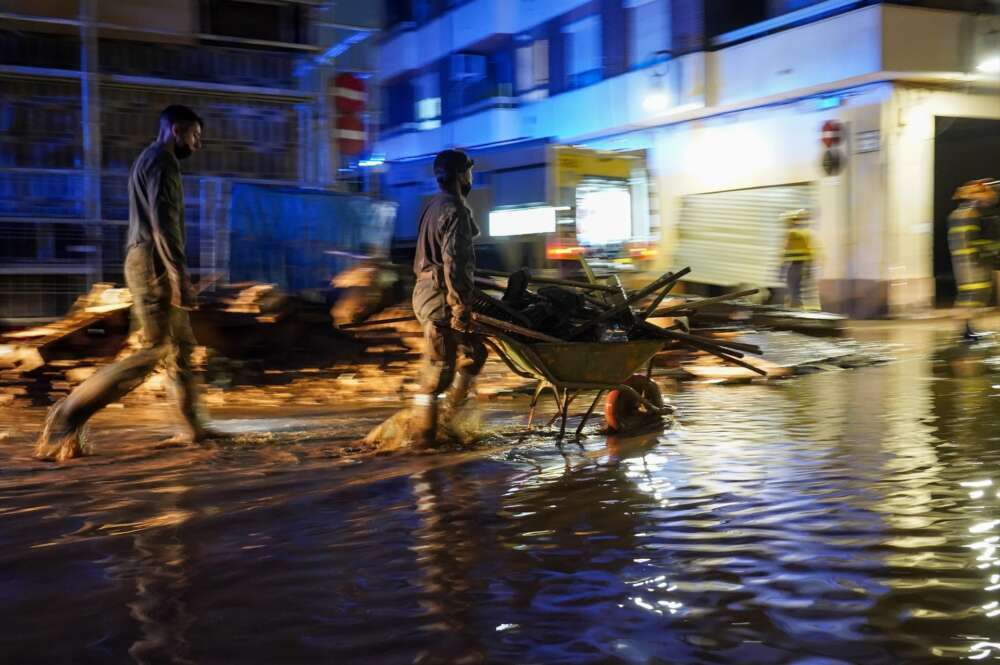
964, 149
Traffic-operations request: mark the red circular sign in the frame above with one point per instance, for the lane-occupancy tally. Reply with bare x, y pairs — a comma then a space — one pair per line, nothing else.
831, 133
349, 93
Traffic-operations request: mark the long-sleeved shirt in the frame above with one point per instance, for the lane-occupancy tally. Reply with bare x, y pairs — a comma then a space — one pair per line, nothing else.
445, 251
799, 245
156, 218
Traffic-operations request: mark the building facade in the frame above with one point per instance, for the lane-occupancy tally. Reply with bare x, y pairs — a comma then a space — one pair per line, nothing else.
867, 113
81, 85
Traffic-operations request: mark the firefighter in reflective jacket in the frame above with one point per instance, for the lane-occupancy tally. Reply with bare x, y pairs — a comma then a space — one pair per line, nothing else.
800, 252
442, 296
972, 250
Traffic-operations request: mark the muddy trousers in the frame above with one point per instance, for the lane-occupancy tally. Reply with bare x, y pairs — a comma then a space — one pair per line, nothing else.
447, 351
166, 337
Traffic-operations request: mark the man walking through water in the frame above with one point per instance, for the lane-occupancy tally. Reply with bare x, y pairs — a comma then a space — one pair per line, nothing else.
442, 297
156, 275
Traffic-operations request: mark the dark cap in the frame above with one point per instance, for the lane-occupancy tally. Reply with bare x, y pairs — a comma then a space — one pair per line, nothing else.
450, 163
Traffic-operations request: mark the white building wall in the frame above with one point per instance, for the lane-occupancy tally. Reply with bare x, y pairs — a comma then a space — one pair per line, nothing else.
780, 145
834, 49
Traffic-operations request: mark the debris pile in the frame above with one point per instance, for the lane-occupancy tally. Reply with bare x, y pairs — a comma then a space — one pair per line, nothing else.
246, 330
36, 361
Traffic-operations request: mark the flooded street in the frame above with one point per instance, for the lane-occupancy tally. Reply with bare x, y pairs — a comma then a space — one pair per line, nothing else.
839, 517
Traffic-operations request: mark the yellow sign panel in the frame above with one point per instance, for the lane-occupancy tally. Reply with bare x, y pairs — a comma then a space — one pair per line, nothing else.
574, 164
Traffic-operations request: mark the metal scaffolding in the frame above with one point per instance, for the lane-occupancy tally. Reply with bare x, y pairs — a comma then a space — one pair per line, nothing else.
78, 100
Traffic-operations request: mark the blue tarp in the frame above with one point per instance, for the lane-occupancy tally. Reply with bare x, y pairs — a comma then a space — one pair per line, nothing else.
283, 235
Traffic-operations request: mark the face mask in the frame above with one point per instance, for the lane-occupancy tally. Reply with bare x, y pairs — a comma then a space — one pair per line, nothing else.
466, 188
182, 151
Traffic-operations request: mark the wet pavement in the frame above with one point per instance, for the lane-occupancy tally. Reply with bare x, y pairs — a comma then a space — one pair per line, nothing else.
840, 517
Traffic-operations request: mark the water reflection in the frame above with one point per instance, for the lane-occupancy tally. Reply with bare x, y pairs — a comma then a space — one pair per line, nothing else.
846, 517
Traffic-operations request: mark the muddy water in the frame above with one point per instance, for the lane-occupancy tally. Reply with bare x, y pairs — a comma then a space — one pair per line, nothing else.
842, 517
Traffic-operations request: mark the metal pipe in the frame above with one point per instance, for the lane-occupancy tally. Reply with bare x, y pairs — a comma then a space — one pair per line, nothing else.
695, 304
551, 280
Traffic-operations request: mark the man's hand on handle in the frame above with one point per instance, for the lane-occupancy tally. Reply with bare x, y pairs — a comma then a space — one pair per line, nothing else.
461, 319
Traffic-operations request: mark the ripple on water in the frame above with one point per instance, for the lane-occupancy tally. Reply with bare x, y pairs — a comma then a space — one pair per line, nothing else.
846, 517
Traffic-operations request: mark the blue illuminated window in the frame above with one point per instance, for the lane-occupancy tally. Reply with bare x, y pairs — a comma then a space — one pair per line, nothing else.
583, 51
649, 31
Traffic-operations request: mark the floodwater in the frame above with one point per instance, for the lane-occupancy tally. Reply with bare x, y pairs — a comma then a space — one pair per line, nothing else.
840, 517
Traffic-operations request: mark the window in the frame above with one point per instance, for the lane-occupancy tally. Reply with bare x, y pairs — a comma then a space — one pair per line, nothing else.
583, 51
270, 21
532, 66
427, 94
649, 31
398, 107
397, 12
477, 81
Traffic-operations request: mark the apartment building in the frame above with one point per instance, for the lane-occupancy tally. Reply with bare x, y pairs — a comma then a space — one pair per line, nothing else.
81, 86
867, 113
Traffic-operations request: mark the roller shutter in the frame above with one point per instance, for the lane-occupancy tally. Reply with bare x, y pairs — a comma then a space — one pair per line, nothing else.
737, 237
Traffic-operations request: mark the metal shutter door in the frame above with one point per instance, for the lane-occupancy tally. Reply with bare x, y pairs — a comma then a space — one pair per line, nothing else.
737, 237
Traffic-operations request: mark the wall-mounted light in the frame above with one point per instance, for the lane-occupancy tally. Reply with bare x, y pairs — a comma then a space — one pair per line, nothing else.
990, 65
657, 98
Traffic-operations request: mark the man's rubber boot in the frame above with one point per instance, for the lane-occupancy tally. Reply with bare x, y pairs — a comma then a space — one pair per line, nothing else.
458, 393
59, 441
425, 417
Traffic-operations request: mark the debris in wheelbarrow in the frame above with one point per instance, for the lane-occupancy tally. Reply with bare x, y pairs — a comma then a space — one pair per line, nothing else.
591, 312
594, 338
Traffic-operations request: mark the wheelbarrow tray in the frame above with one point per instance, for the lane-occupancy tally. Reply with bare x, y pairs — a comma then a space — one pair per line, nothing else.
595, 363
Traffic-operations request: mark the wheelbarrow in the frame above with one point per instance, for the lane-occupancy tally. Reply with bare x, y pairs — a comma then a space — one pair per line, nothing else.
570, 368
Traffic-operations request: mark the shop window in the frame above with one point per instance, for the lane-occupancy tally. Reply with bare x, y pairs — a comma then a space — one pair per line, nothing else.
649, 31
583, 51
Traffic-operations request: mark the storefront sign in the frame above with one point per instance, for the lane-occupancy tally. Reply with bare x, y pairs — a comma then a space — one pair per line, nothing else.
574, 164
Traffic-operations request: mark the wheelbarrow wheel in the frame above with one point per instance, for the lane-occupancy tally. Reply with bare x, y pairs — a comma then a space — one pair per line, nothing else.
623, 411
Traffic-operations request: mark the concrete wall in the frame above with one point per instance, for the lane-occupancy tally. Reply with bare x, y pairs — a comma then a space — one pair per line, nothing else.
908, 136
924, 40
833, 49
